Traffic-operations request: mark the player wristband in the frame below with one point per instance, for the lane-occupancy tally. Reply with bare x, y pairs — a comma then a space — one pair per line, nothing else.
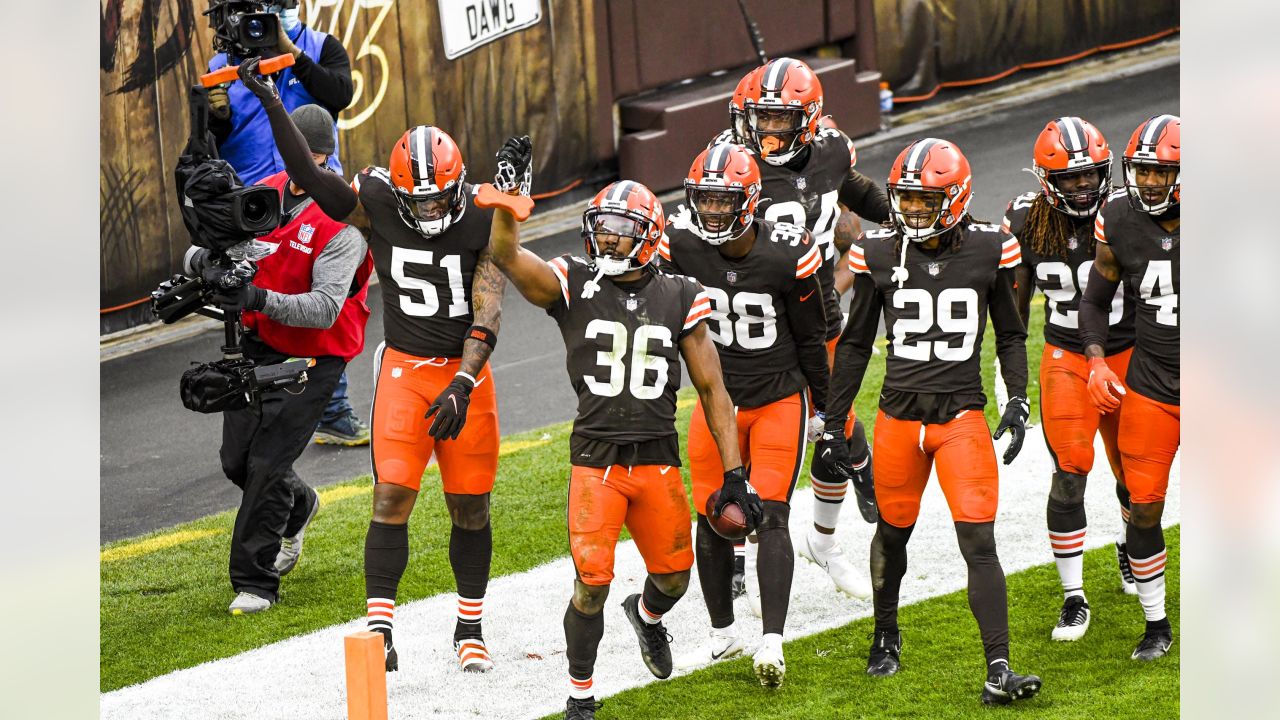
483, 334
465, 376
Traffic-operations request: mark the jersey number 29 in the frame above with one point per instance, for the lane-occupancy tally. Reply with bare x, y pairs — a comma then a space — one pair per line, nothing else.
965, 326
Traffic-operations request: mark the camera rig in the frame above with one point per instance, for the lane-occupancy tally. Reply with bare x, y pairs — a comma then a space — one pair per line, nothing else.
223, 217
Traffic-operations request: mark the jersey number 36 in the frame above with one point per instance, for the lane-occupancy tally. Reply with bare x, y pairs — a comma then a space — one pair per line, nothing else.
642, 363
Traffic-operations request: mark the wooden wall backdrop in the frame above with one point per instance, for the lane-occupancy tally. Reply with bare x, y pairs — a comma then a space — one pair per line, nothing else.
541, 81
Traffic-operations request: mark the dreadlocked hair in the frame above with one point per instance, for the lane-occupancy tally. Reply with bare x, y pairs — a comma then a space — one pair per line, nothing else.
1047, 230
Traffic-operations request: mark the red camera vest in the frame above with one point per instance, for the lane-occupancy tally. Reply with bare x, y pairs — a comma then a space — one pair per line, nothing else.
288, 271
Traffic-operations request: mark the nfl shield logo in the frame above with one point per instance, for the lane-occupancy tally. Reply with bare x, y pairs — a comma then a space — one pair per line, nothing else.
305, 232
731, 276
632, 304
1166, 244
934, 269
1072, 244
801, 183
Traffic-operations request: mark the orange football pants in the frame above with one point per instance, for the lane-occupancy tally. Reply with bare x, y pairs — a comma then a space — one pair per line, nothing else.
648, 499
406, 386
771, 439
905, 451
1149, 437
1069, 417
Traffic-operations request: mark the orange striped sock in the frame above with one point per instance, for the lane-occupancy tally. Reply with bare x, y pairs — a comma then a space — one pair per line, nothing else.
581, 689
381, 613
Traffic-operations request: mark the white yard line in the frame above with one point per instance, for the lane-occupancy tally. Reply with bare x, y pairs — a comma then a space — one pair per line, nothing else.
303, 677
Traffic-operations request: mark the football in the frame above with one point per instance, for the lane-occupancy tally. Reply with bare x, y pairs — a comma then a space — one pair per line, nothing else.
730, 524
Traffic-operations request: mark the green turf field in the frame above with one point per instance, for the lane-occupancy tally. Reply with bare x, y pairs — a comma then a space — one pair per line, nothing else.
164, 596
942, 663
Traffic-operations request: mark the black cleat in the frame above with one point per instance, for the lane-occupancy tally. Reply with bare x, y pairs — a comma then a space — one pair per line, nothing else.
1155, 642
886, 651
864, 489
655, 643
1127, 582
393, 660
739, 583
577, 709
1004, 686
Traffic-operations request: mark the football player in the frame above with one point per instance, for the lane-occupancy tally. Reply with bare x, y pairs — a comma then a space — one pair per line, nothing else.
809, 179
1054, 228
434, 392
626, 327
769, 325
934, 275
1138, 244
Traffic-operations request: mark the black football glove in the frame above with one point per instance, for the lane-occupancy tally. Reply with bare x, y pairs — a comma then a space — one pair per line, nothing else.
259, 85
450, 409
737, 489
1015, 421
833, 452
246, 297
515, 166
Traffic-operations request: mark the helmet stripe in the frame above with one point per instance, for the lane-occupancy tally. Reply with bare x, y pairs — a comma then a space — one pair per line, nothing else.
717, 159
1072, 133
776, 74
1154, 129
620, 191
422, 146
915, 159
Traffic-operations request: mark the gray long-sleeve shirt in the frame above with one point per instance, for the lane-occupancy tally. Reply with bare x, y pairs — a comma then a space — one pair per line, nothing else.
331, 277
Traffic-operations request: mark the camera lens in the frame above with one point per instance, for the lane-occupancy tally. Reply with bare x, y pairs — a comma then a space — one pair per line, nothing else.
256, 208
255, 29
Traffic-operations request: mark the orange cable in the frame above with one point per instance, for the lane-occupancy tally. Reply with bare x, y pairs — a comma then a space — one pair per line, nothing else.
1037, 64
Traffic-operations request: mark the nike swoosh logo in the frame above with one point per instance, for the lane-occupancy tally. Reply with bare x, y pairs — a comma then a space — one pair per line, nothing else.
806, 297
718, 655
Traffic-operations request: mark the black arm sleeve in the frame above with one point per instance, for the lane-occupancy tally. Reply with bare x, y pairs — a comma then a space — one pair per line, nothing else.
1095, 306
808, 322
1011, 334
853, 351
334, 196
328, 78
1025, 285
862, 195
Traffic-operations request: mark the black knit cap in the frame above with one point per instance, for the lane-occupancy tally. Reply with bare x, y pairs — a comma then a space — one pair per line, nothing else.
316, 125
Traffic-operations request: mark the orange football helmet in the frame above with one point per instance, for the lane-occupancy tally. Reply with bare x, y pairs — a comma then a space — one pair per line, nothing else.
1157, 141
1067, 146
624, 209
737, 105
782, 109
936, 167
427, 174
727, 176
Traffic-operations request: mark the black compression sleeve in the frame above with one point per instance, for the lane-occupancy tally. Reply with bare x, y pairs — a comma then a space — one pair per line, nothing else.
334, 196
1011, 334
808, 321
853, 350
327, 78
862, 195
1095, 306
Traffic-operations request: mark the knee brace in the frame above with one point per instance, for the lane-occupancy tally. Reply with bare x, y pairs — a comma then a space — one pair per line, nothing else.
1066, 493
775, 516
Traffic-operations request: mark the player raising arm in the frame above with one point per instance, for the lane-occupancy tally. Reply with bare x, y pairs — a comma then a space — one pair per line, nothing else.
1139, 245
626, 327
934, 275
434, 393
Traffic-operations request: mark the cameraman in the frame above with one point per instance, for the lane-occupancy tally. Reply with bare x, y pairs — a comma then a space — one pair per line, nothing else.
320, 75
306, 300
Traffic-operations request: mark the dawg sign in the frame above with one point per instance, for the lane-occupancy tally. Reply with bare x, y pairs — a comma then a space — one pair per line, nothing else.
468, 24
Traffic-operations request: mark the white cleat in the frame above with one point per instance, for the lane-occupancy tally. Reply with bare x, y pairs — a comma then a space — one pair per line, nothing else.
247, 604
473, 656
768, 662
723, 643
1073, 621
847, 578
